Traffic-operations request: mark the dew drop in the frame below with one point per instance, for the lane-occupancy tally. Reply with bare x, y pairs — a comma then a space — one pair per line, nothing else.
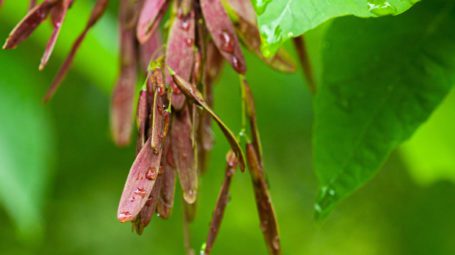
276, 243
175, 89
160, 91
190, 196
160, 109
380, 7
185, 24
140, 192
189, 42
151, 174
124, 216
203, 247
238, 66
227, 42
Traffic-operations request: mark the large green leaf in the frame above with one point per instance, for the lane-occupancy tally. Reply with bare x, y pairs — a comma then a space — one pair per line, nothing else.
280, 20
430, 153
26, 148
382, 78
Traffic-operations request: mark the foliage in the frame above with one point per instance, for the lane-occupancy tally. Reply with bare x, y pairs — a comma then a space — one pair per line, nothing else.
376, 89
378, 80
280, 20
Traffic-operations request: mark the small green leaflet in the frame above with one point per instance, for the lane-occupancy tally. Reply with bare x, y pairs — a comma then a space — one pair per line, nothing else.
280, 20
382, 78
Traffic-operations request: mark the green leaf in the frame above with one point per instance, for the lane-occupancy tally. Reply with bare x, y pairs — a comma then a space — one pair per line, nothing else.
429, 155
280, 20
382, 78
26, 147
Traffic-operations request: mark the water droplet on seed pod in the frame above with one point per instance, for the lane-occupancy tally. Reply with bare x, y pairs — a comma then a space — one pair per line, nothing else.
140, 192
227, 42
151, 174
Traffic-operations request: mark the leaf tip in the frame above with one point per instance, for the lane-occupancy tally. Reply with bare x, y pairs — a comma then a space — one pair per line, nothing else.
325, 203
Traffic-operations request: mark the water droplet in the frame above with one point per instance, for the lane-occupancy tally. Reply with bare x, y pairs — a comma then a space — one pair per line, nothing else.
276, 243
124, 216
190, 196
175, 89
380, 7
204, 245
227, 41
185, 24
140, 192
264, 225
189, 42
332, 192
151, 174
238, 66
161, 90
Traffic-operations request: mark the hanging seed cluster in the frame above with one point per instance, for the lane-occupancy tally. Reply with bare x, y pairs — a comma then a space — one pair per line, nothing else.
181, 58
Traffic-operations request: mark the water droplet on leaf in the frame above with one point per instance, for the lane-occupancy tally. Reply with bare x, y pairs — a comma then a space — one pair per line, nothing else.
380, 7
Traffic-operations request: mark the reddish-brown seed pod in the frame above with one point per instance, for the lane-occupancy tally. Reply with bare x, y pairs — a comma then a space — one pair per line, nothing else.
184, 152
244, 10
96, 14
139, 183
251, 112
180, 54
166, 200
149, 19
221, 203
142, 121
145, 216
123, 96
160, 116
268, 221
29, 23
151, 50
223, 33
196, 96
58, 14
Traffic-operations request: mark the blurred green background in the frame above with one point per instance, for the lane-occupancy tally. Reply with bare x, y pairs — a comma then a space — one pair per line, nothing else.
61, 176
